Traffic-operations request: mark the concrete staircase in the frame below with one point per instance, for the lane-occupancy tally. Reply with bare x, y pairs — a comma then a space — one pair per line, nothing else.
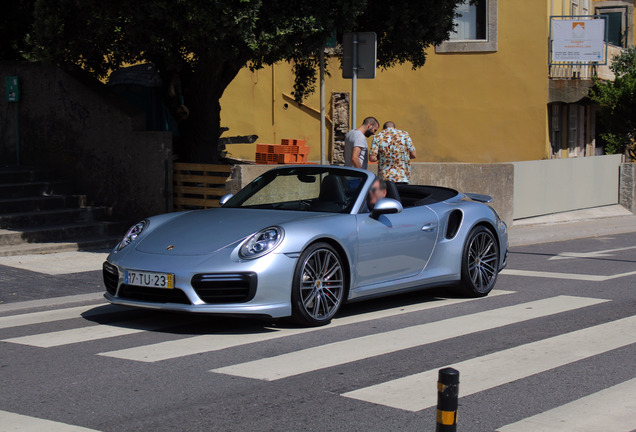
40, 214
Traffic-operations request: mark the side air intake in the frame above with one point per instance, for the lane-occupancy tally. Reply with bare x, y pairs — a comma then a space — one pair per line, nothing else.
454, 222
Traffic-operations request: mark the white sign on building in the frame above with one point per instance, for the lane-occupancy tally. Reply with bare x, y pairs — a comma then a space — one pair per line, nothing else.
578, 40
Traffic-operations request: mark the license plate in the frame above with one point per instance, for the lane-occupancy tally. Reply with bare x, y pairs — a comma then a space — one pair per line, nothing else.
149, 279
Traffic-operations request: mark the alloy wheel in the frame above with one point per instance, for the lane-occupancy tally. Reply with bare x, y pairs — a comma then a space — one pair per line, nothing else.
322, 284
482, 261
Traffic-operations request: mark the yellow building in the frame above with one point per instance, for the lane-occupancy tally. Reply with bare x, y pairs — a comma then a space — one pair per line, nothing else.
486, 95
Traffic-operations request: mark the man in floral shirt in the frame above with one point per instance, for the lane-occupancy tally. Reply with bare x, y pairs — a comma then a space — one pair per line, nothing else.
393, 150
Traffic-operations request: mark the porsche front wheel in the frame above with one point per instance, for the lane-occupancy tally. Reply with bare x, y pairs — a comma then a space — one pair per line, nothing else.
480, 262
319, 285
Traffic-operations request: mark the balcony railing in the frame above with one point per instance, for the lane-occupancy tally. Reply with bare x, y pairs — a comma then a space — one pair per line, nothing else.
564, 71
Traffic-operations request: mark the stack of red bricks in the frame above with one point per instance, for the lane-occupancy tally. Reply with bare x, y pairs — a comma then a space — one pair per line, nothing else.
290, 151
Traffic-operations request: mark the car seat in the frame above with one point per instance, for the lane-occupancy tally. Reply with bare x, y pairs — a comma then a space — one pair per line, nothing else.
332, 196
392, 191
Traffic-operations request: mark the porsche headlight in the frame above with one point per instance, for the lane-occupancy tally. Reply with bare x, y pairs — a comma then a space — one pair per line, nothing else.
132, 234
261, 243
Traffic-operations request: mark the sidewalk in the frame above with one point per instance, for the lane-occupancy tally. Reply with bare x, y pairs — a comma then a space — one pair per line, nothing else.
595, 222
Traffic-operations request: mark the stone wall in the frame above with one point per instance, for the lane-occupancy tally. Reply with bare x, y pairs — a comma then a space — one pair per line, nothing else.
339, 125
627, 190
76, 126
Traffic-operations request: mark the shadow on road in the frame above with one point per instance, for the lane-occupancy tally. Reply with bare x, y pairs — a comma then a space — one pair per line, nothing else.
181, 323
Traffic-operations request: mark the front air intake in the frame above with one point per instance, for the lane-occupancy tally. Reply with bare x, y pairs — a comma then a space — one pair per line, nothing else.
225, 287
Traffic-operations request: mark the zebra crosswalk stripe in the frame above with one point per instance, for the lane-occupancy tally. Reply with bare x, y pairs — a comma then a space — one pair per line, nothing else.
85, 334
18, 422
50, 302
482, 373
612, 409
208, 343
57, 315
311, 359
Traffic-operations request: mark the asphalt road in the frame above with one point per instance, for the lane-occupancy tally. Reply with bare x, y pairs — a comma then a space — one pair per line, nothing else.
554, 344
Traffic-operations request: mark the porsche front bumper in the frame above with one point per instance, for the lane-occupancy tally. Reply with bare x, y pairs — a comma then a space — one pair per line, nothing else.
259, 287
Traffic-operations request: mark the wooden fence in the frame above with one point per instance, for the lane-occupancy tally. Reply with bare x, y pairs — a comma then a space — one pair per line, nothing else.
199, 186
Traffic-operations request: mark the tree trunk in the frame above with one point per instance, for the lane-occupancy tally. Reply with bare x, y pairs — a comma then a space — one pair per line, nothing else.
203, 89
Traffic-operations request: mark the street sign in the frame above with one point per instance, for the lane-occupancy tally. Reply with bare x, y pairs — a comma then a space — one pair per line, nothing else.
367, 49
12, 88
332, 42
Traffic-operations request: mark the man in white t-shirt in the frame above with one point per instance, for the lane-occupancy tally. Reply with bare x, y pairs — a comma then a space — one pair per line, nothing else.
356, 152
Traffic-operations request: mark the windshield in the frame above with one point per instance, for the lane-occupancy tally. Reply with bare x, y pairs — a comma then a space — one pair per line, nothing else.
319, 189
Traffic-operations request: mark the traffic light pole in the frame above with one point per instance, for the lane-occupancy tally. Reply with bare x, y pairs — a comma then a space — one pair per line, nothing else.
354, 82
323, 158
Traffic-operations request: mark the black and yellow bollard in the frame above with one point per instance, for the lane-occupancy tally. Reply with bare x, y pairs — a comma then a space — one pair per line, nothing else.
447, 394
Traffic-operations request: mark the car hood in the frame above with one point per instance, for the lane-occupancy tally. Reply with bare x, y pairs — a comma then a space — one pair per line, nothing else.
204, 232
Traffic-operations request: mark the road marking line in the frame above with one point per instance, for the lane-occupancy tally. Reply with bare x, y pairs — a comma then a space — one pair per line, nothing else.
57, 315
215, 342
482, 373
597, 254
570, 276
17, 422
101, 331
55, 301
612, 409
324, 356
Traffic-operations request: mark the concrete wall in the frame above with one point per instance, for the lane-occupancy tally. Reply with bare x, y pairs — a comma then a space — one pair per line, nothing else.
559, 185
477, 107
91, 136
495, 180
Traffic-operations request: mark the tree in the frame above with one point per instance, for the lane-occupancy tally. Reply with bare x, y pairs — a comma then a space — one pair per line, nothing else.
618, 105
15, 29
209, 41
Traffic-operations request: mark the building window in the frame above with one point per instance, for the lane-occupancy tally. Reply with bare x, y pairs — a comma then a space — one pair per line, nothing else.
573, 130
619, 16
614, 22
471, 24
475, 28
555, 128
580, 7
585, 7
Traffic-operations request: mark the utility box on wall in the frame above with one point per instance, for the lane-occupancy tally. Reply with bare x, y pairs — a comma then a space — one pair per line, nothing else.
12, 85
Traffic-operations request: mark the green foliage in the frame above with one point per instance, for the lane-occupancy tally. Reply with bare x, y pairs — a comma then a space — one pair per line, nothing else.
209, 41
15, 29
103, 35
617, 100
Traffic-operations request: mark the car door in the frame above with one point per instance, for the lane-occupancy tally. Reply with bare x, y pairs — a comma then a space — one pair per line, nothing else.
394, 246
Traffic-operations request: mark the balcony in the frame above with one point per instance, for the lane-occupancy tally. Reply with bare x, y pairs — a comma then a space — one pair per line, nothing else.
585, 72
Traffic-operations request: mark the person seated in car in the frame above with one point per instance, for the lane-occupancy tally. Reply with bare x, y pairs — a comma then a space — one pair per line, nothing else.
377, 191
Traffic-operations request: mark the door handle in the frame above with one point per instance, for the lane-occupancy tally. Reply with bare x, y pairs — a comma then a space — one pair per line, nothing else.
429, 227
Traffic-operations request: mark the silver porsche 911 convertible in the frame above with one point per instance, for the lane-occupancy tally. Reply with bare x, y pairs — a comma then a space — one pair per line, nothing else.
300, 241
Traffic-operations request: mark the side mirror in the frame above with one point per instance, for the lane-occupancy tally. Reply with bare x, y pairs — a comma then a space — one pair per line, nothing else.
225, 198
386, 206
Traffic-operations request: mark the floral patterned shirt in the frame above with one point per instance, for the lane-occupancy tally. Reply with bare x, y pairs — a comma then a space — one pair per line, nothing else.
392, 147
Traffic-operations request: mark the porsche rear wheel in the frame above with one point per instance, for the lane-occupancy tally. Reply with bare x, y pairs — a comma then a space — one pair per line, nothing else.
319, 285
480, 262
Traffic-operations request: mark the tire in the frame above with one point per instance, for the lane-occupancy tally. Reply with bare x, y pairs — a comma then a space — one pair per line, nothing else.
318, 286
480, 262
